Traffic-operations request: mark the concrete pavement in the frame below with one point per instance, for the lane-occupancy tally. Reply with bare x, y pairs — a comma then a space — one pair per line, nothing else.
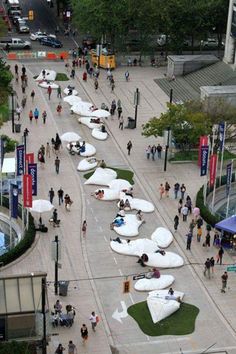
92, 258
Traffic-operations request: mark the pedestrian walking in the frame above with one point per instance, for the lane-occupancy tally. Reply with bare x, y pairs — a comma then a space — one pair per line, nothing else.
60, 349
167, 188
119, 103
49, 91
94, 320
189, 204
212, 261
180, 206
129, 146
84, 228
153, 152
44, 116
72, 74
184, 212
32, 95
44, 73
176, 189
59, 109
207, 269
148, 151
72, 348
199, 234
127, 76
113, 86
48, 150
159, 150
208, 239
59, 92
176, 222
192, 226
121, 123
220, 255
224, 279
36, 114
161, 190
96, 84
84, 333
60, 194
18, 112
23, 70
16, 69
57, 165
182, 191
119, 111
189, 241
51, 195
216, 241
31, 116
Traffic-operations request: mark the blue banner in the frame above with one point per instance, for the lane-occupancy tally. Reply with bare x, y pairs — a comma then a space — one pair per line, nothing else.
1, 152
229, 171
20, 160
204, 159
32, 170
14, 200
221, 135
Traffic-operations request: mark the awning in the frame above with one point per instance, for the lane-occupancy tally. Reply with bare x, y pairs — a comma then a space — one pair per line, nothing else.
228, 225
9, 165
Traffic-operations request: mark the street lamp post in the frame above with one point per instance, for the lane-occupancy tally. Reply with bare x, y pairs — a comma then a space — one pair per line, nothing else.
136, 103
44, 339
12, 112
167, 148
56, 256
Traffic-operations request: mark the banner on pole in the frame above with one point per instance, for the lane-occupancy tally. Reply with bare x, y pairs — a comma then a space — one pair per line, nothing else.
29, 158
32, 171
213, 163
204, 159
221, 135
14, 192
229, 170
27, 191
20, 160
203, 140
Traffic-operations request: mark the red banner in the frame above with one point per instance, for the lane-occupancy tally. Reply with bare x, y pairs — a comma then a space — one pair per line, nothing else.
27, 191
213, 163
203, 141
29, 157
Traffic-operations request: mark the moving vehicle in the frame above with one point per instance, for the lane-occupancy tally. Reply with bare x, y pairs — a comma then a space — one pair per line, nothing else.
211, 43
22, 26
39, 35
51, 42
15, 43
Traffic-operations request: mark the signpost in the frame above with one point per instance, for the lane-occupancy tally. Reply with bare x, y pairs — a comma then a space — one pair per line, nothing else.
231, 268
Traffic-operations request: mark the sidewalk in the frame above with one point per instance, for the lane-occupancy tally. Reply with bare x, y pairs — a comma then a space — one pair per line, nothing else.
83, 259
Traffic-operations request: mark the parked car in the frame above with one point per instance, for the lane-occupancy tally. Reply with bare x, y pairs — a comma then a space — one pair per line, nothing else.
22, 26
211, 43
51, 42
39, 35
15, 43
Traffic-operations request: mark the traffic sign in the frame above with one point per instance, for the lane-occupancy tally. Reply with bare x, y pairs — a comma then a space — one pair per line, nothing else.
139, 276
231, 268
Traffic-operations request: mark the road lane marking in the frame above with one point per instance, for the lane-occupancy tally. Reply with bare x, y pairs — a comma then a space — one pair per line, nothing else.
105, 238
115, 260
120, 271
131, 298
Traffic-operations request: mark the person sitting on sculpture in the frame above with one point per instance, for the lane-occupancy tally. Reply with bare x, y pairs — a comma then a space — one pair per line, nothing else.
153, 274
143, 259
171, 296
162, 252
95, 120
120, 213
127, 204
121, 204
99, 194
129, 192
139, 216
117, 222
102, 164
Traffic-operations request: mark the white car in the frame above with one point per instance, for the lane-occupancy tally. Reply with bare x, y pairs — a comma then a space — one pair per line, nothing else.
38, 35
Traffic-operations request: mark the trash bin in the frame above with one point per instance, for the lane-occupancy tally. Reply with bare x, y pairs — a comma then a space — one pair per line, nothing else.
63, 287
17, 128
131, 123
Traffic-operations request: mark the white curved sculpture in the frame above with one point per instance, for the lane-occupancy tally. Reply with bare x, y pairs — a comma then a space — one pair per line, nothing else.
161, 308
164, 294
130, 227
138, 204
71, 100
102, 176
87, 164
100, 113
99, 135
46, 84
109, 194
135, 247
169, 260
120, 184
154, 284
162, 236
87, 121
82, 108
67, 91
49, 76
89, 149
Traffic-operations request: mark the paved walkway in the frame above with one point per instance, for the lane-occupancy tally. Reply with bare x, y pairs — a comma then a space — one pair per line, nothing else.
92, 257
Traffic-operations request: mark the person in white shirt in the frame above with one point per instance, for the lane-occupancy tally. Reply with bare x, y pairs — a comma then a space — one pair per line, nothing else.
93, 319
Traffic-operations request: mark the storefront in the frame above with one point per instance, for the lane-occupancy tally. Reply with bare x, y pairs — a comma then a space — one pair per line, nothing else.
228, 232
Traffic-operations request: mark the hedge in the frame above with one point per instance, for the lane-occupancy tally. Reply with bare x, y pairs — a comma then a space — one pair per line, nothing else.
205, 212
26, 241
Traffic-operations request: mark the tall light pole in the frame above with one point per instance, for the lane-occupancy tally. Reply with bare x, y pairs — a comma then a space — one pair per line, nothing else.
167, 148
44, 339
136, 104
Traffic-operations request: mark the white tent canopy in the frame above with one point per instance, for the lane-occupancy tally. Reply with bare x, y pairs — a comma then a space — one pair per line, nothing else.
9, 165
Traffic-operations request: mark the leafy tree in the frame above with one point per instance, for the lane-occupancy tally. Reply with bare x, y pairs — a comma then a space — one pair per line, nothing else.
186, 126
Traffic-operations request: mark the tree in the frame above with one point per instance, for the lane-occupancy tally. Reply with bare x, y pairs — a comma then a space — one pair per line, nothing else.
186, 126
